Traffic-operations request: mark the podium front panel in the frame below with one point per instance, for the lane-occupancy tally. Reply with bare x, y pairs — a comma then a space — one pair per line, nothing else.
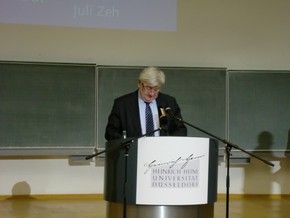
172, 171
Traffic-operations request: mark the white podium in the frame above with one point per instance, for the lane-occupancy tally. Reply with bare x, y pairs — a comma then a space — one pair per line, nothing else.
166, 177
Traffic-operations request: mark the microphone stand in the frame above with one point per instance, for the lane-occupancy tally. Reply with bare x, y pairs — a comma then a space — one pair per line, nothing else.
228, 148
126, 145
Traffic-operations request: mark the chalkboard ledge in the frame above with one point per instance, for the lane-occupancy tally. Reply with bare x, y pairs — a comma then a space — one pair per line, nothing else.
46, 151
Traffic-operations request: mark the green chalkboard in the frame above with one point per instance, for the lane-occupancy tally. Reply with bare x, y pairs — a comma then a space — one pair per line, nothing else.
200, 93
52, 106
259, 109
46, 105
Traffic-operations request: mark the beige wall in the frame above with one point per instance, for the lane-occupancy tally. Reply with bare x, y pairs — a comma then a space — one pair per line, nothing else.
237, 34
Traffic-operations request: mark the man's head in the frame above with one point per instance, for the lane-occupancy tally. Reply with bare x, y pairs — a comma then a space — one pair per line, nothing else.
150, 81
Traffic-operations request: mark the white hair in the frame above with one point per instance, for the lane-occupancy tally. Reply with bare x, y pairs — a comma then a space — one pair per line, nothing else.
153, 76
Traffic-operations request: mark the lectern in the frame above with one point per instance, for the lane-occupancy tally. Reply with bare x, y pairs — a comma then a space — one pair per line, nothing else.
166, 177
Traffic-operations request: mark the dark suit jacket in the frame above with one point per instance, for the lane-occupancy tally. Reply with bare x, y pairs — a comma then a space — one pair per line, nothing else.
125, 116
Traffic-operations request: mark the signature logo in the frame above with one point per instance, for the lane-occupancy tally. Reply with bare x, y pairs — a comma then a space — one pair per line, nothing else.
180, 160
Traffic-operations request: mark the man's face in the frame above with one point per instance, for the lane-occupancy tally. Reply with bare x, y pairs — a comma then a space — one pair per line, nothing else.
147, 92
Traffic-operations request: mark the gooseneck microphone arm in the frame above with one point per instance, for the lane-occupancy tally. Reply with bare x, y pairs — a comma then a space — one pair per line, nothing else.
228, 148
123, 144
126, 146
172, 116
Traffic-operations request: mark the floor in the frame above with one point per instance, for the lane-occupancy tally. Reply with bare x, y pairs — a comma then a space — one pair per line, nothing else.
249, 207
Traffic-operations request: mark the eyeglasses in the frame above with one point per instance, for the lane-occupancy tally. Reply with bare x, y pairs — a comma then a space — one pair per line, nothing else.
151, 89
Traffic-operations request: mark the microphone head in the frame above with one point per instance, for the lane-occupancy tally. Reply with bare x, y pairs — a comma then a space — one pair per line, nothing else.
169, 112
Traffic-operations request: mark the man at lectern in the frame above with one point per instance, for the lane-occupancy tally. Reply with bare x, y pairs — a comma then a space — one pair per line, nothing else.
143, 111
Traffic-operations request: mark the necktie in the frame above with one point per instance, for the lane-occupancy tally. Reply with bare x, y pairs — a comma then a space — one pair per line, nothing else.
149, 120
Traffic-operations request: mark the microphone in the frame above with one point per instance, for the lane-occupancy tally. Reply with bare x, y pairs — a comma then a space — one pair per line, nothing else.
170, 113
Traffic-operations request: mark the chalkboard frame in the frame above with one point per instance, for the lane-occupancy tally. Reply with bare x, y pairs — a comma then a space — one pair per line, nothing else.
214, 79
75, 84
170, 88
254, 119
